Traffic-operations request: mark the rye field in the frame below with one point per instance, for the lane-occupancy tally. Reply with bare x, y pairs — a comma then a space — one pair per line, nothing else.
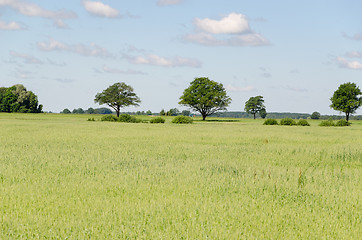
63, 177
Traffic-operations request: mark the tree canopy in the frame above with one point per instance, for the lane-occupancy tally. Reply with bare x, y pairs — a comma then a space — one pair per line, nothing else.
117, 96
18, 99
255, 105
346, 99
205, 96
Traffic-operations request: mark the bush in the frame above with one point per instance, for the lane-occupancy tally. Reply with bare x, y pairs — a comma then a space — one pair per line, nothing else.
327, 123
109, 118
157, 120
128, 118
182, 120
270, 122
342, 123
303, 122
287, 121
91, 119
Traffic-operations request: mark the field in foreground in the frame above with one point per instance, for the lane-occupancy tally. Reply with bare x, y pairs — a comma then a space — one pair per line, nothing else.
64, 177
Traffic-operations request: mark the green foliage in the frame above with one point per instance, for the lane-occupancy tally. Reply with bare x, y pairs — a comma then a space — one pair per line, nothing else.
205, 96
186, 113
315, 115
327, 123
342, 123
162, 113
149, 112
91, 119
287, 121
173, 112
117, 96
262, 113
255, 105
128, 118
182, 120
157, 120
303, 122
270, 122
18, 99
109, 118
66, 111
347, 99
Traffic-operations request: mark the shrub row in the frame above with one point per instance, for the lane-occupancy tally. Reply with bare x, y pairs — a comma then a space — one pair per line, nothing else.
182, 120
287, 122
121, 118
339, 123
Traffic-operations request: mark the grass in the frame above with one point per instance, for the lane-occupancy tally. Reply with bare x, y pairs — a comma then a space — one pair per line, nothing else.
62, 176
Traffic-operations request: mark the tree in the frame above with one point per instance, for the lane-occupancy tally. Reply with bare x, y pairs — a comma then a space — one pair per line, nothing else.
346, 99
315, 115
173, 112
162, 113
90, 111
117, 96
263, 113
18, 99
149, 112
205, 96
186, 113
254, 105
66, 111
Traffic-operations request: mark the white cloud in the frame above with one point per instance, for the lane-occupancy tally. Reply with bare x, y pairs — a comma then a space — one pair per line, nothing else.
168, 2
251, 39
10, 26
231, 24
152, 59
33, 10
81, 49
354, 54
232, 88
100, 9
343, 63
232, 30
27, 58
119, 71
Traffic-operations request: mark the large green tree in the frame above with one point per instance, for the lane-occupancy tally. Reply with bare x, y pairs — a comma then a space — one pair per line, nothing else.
117, 96
346, 99
18, 99
205, 96
255, 105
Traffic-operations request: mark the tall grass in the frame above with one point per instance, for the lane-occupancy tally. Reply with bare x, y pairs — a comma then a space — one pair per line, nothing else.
65, 177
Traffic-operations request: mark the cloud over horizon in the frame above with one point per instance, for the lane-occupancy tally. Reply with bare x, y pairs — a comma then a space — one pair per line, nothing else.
34, 10
100, 9
92, 50
10, 26
232, 30
155, 60
344, 63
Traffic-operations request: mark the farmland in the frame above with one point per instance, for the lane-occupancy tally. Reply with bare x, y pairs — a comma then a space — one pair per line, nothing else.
62, 176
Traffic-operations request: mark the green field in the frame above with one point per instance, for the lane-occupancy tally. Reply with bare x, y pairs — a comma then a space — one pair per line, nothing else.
63, 177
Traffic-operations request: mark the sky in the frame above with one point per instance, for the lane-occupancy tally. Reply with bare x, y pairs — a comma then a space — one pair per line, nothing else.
293, 53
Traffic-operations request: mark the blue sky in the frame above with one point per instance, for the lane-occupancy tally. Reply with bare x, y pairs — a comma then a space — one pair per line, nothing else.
294, 53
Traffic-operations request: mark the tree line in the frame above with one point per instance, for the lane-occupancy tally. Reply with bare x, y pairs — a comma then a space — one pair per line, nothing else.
208, 97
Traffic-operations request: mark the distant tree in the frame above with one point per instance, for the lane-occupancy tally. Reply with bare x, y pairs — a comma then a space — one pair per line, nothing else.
254, 105
162, 113
102, 111
347, 99
205, 96
263, 113
185, 113
117, 96
315, 115
173, 112
149, 112
90, 111
66, 111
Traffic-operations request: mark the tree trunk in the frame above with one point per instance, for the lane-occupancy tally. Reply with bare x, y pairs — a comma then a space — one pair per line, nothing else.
203, 117
347, 116
254, 115
117, 113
